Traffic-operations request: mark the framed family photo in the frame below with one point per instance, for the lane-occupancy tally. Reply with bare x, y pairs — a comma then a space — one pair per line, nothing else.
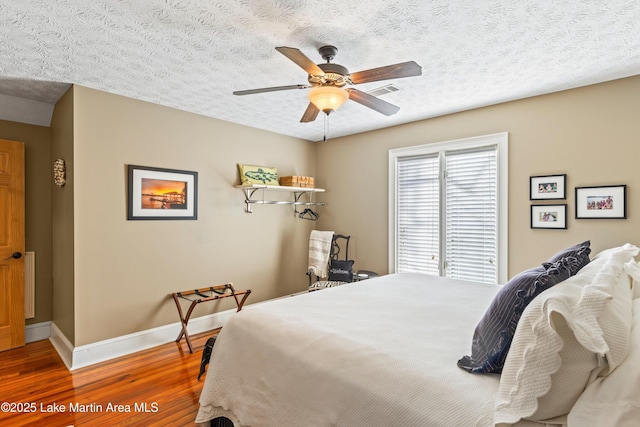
548, 187
549, 216
155, 193
604, 202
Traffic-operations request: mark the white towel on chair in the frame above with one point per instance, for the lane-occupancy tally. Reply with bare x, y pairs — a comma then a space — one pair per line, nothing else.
319, 249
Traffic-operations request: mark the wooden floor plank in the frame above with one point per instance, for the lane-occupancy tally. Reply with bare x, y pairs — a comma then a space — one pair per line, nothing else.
155, 387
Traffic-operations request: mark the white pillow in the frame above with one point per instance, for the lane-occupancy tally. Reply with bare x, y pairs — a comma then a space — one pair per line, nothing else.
568, 334
614, 399
633, 268
606, 253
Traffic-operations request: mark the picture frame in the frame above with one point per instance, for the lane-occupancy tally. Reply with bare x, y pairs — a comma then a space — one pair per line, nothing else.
548, 187
157, 194
601, 202
549, 216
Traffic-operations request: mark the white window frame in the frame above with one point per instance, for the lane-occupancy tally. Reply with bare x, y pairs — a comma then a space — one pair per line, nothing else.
498, 139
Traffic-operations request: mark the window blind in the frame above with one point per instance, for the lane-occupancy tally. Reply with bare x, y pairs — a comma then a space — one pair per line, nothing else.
418, 218
462, 207
471, 219
448, 208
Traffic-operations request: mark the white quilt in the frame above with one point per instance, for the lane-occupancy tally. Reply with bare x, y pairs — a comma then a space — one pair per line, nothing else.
381, 352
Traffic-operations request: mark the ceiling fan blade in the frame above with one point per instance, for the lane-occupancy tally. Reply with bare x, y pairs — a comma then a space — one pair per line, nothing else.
395, 71
269, 89
301, 59
372, 102
310, 113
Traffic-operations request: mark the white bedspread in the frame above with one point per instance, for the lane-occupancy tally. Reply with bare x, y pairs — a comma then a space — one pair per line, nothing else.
381, 352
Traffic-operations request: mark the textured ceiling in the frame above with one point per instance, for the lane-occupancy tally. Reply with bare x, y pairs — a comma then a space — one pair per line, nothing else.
192, 54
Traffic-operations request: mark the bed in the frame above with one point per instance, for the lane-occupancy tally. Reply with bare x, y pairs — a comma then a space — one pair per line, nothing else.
386, 351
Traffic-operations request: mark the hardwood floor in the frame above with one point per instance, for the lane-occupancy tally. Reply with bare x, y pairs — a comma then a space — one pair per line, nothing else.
155, 387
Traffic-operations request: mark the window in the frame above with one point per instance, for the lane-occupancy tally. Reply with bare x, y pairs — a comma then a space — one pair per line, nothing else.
448, 209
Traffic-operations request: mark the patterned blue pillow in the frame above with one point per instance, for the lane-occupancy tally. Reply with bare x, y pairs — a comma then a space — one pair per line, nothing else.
494, 333
580, 252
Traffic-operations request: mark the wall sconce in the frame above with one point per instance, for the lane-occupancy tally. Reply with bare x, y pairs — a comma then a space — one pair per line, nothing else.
59, 173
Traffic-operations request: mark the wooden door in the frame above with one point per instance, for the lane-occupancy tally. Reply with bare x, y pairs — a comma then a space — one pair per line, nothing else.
11, 244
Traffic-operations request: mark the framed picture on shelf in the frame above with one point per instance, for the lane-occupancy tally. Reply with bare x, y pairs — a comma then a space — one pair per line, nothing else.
549, 216
155, 193
548, 187
603, 202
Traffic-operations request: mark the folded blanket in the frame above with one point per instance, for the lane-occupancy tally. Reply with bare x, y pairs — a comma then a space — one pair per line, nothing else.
319, 249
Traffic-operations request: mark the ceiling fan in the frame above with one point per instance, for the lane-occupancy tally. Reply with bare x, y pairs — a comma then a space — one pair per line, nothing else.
328, 80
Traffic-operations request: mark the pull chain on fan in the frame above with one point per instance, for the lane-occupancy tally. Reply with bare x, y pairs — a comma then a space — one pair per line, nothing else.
326, 127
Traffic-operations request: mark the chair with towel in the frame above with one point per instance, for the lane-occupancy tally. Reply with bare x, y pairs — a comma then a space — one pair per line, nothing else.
329, 263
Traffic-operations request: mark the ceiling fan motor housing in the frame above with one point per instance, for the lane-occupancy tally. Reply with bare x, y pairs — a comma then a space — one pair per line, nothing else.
334, 75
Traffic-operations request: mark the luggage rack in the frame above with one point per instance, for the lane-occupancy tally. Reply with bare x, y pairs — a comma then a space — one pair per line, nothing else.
197, 296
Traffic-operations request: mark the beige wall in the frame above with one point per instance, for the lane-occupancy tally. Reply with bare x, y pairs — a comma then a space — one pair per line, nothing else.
37, 142
125, 271
590, 133
62, 217
113, 277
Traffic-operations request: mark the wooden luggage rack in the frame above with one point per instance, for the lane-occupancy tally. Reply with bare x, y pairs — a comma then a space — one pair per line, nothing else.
197, 296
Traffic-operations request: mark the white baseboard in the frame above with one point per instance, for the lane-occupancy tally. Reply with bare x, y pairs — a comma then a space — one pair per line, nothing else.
37, 332
62, 345
85, 355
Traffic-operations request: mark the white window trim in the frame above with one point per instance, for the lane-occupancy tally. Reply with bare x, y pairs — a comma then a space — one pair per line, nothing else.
499, 139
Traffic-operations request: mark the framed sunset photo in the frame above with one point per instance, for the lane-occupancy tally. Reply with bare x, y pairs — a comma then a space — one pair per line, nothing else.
156, 193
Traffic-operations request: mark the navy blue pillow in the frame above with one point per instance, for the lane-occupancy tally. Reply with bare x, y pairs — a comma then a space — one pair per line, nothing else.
577, 255
494, 333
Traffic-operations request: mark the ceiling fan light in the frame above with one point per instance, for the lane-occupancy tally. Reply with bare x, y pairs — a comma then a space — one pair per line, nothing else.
328, 98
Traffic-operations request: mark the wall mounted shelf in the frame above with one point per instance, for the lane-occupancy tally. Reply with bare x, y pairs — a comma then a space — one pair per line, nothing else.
252, 192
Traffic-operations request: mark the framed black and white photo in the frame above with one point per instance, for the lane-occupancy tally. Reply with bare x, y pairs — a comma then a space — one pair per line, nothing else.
549, 216
548, 187
603, 202
155, 193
